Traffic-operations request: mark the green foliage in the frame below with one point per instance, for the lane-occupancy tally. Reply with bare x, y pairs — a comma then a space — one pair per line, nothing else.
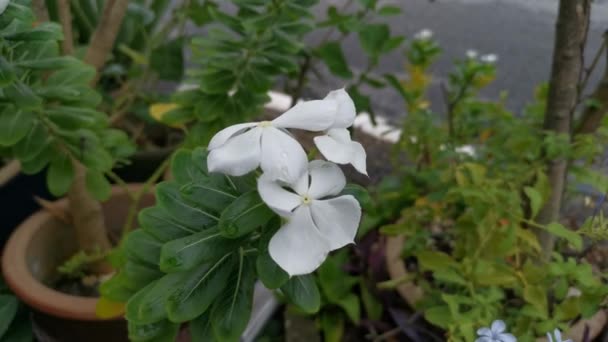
184, 265
48, 110
467, 199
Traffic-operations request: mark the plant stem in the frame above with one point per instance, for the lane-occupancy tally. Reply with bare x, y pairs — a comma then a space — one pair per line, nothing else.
593, 115
572, 23
65, 18
139, 194
42, 14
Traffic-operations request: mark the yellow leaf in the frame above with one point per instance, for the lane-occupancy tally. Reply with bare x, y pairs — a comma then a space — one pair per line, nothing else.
158, 110
106, 309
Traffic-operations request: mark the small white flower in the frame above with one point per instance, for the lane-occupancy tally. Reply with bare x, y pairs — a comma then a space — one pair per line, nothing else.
239, 149
413, 139
3, 5
424, 34
467, 150
472, 54
489, 58
442, 147
558, 336
316, 224
496, 333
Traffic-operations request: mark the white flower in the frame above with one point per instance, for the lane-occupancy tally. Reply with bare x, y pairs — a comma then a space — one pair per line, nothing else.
467, 150
424, 34
558, 336
496, 333
239, 149
471, 54
316, 224
3, 5
489, 58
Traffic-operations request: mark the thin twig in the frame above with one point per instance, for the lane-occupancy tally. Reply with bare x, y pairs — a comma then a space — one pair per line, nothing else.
65, 18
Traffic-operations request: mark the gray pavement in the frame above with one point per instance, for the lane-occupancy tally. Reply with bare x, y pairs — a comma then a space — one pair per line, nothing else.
519, 31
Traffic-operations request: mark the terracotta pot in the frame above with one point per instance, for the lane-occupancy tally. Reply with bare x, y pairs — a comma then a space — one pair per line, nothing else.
411, 293
31, 256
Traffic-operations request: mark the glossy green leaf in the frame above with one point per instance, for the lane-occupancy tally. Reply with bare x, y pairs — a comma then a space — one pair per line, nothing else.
78, 73
244, 215
44, 31
302, 291
190, 251
143, 247
331, 53
200, 328
98, 185
14, 125
373, 38
158, 223
535, 198
169, 198
148, 305
162, 331
199, 289
60, 175
7, 74
269, 272
8, 310
33, 143
232, 310
560, 231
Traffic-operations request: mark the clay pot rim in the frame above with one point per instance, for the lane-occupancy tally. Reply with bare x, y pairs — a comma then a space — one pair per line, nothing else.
411, 292
29, 289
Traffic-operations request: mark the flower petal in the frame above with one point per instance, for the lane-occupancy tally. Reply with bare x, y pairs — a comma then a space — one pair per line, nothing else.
317, 115
298, 247
484, 339
346, 113
283, 158
326, 179
498, 326
224, 135
238, 156
484, 332
337, 147
507, 338
550, 338
337, 219
281, 201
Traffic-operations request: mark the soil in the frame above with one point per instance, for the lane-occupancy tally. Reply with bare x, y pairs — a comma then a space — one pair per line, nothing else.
85, 287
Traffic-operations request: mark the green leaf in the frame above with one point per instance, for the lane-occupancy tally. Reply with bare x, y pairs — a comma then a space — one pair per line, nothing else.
373, 307
350, 304
98, 185
51, 63
572, 237
158, 223
138, 275
332, 325
439, 316
434, 260
44, 31
7, 74
334, 282
269, 272
244, 215
198, 289
569, 309
190, 251
14, 125
389, 10
148, 305
302, 291
117, 288
8, 310
162, 331
32, 144
60, 175
370, 4
169, 198
213, 193
183, 168
23, 96
200, 328
535, 198
231, 311
536, 295
143, 247
373, 38
331, 53
77, 74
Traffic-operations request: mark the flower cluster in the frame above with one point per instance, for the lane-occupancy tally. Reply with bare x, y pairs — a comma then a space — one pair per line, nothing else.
497, 333
299, 191
490, 58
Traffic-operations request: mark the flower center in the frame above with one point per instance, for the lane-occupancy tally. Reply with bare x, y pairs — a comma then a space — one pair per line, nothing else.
265, 124
306, 199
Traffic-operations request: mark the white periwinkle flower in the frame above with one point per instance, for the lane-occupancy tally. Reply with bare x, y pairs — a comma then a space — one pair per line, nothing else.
239, 149
489, 58
317, 223
3, 5
424, 34
471, 54
336, 145
558, 336
496, 333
